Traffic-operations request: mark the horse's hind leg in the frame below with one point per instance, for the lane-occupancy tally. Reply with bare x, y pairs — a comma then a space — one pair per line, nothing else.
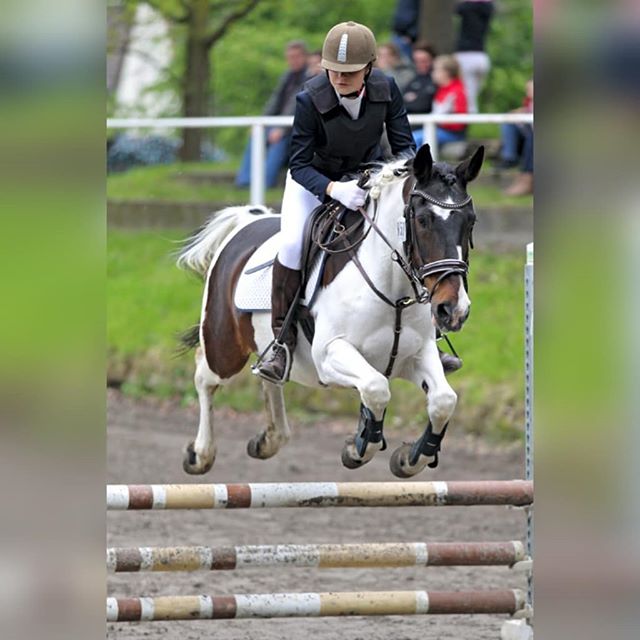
200, 454
268, 442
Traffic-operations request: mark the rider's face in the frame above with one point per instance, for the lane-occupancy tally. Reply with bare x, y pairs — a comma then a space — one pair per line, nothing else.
348, 82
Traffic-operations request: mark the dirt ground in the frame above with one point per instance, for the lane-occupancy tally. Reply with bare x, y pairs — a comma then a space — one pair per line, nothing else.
145, 441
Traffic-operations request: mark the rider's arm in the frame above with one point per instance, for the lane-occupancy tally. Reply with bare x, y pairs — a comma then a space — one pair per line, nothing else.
305, 136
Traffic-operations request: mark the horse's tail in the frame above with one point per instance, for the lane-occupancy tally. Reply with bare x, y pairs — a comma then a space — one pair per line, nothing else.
200, 248
188, 340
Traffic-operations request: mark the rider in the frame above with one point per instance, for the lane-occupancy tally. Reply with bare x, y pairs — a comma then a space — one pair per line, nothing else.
338, 124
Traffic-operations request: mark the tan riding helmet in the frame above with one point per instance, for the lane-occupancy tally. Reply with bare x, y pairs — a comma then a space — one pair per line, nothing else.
349, 46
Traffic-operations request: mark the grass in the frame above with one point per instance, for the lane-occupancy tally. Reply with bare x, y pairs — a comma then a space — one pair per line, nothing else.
150, 302
171, 183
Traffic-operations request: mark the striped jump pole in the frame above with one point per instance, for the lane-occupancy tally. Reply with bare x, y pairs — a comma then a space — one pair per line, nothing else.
319, 494
288, 605
323, 556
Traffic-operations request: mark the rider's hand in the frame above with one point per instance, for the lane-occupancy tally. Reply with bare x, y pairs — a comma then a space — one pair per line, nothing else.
348, 193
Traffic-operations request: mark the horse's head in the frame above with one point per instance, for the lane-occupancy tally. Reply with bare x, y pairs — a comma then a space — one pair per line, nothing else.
440, 218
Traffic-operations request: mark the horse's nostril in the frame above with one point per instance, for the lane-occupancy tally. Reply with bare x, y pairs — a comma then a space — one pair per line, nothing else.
444, 311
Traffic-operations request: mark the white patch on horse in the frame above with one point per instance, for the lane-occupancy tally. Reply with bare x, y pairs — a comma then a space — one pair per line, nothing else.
463, 298
441, 211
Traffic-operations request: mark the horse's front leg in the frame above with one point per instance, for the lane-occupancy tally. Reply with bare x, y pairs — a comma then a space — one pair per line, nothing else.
427, 372
340, 363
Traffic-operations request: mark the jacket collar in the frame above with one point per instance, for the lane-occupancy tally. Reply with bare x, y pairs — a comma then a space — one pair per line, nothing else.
324, 96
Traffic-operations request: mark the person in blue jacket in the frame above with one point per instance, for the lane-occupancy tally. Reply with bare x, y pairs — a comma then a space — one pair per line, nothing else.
339, 120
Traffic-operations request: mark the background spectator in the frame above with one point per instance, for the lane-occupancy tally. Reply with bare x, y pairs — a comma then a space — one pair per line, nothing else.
450, 97
313, 63
393, 64
405, 26
475, 16
281, 102
517, 148
418, 96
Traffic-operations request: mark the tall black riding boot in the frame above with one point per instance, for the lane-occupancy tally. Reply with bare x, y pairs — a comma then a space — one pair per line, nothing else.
277, 362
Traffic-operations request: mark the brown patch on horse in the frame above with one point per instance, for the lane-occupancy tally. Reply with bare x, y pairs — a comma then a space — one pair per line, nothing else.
228, 333
448, 289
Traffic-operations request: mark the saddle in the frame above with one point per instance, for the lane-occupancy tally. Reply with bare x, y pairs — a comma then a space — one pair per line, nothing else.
330, 232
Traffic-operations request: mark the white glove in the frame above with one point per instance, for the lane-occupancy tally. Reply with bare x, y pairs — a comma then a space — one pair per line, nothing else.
349, 194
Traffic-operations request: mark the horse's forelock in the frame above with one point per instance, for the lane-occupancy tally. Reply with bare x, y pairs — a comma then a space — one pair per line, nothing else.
390, 173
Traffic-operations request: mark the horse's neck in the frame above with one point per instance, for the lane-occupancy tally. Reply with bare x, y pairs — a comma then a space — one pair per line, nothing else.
375, 253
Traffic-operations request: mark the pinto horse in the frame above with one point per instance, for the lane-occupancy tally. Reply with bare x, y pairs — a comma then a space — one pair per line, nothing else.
376, 313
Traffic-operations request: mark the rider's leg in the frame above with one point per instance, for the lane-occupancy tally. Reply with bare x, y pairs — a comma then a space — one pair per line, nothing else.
297, 205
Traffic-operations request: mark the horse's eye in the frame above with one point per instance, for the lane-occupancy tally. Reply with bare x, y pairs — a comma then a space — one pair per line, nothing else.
422, 220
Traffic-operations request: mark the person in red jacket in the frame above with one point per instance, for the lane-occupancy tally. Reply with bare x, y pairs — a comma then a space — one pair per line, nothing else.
450, 97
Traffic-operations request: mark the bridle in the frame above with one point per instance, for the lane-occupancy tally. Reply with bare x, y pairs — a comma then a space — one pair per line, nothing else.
445, 267
416, 273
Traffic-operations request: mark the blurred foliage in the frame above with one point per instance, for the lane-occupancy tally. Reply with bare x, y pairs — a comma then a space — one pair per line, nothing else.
510, 48
248, 61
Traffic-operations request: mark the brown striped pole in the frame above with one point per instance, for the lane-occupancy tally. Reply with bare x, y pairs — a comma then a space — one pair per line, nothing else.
288, 605
319, 494
371, 555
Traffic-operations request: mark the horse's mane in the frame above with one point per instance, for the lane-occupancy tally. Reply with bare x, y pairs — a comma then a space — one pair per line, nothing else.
388, 174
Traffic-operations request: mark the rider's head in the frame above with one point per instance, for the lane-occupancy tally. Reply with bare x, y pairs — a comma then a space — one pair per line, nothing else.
348, 53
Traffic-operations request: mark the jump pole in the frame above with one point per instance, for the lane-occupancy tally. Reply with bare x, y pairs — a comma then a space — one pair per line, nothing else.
319, 494
322, 556
303, 605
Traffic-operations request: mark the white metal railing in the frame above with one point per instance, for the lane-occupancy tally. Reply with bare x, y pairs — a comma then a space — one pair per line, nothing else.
258, 124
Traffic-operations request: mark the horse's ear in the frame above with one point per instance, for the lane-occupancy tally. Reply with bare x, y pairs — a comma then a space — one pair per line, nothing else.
423, 163
470, 168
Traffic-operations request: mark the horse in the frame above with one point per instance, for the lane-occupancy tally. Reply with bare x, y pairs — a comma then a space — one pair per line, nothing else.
376, 314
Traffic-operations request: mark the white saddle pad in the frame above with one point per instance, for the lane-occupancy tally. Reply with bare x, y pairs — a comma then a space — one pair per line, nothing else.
253, 292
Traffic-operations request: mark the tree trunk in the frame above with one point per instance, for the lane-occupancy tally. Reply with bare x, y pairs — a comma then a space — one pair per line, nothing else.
436, 24
196, 79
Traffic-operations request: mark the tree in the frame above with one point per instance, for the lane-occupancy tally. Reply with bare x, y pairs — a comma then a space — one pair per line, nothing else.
205, 22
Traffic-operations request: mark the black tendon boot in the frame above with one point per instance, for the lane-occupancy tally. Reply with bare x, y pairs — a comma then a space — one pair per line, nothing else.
277, 362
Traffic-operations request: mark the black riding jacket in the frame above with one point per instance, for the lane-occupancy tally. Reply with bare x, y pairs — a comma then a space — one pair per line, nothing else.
326, 143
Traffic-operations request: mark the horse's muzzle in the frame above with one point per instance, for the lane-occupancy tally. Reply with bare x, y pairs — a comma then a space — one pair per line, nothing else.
448, 317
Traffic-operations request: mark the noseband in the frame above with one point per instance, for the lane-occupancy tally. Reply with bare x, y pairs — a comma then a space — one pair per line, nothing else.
445, 267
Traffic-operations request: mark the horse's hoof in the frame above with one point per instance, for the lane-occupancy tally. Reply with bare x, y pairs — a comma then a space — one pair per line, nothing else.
195, 464
399, 462
350, 457
259, 448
